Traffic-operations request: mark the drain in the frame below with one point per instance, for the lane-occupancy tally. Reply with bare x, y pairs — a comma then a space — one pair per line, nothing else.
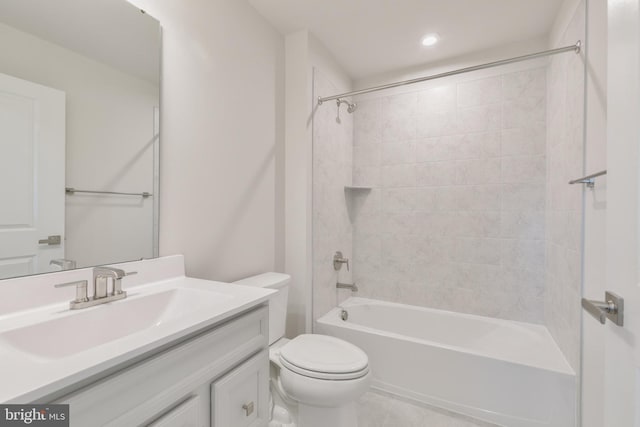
344, 315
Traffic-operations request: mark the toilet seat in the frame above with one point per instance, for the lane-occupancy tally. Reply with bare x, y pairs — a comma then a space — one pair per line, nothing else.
324, 357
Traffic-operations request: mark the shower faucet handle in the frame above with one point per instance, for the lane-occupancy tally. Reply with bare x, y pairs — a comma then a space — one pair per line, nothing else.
338, 260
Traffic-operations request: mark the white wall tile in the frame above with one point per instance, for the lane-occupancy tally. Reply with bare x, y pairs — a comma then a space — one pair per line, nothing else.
398, 153
524, 112
398, 127
479, 145
437, 149
436, 124
398, 223
438, 99
368, 122
480, 92
399, 199
367, 155
478, 171
525, 84
526, 141
460, 220
523, 254
426, 199
367, 176
565, 152
476, 251
399, 176
435, 174
399, 117
475, 224
527, 196
522, 224
479, 119
524, 169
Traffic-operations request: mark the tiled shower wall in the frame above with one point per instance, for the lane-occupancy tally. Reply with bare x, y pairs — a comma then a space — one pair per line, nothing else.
565, 148
455, 218
332, 171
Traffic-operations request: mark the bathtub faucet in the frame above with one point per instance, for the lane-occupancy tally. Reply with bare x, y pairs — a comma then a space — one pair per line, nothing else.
353, 286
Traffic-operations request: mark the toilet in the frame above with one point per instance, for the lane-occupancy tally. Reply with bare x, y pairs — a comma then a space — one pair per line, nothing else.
315, 379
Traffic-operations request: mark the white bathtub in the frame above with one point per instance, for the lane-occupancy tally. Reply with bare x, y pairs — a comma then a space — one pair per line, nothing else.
508, 373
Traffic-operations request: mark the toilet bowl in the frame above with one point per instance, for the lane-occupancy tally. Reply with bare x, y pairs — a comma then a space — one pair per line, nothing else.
315, 379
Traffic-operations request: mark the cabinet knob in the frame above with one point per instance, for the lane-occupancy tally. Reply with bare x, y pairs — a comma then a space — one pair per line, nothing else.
248, 408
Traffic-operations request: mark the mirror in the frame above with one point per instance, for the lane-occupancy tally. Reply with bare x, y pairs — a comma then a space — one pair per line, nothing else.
79, 134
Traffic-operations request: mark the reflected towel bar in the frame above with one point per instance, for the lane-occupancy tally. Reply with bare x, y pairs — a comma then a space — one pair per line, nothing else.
70, 190
588, 179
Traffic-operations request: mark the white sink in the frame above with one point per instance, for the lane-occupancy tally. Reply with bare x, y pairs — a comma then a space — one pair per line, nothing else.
88, 328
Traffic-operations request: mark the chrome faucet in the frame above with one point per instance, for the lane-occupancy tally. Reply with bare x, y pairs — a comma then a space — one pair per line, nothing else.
101, 276
351, 286
101, 295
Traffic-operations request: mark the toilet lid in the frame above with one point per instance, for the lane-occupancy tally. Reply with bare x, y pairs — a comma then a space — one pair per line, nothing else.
322, 356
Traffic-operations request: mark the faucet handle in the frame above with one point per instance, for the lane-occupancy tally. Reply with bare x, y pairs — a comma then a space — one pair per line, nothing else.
338, 260
81, 290
117, 282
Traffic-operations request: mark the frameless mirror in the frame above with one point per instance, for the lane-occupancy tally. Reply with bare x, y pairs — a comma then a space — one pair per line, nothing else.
79, 134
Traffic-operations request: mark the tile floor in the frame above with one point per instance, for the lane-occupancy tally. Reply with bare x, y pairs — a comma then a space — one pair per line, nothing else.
380, 410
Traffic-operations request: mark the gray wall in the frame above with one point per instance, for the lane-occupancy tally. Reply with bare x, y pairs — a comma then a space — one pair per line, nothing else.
221, 199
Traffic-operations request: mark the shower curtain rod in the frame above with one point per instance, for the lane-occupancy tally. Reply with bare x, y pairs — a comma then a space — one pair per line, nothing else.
575, 48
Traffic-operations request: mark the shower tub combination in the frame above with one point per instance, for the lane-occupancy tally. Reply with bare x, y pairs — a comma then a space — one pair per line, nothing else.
504, 372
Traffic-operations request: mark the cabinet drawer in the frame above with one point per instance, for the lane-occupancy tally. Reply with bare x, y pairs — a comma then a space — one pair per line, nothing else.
187, 414
241, 398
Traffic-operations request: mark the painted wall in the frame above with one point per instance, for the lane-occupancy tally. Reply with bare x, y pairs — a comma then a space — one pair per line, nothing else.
109, 146
455, 219
565, 148
221, 200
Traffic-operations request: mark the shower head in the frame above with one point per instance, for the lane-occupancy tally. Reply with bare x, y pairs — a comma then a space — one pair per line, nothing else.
351, 106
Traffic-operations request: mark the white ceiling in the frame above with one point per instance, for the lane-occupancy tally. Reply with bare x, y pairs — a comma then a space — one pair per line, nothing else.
369, 37
113, 32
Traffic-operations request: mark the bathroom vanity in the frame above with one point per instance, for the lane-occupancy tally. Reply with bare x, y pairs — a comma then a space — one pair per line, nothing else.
176, 351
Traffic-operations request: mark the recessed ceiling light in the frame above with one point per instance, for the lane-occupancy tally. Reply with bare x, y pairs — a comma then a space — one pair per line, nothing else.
430, 39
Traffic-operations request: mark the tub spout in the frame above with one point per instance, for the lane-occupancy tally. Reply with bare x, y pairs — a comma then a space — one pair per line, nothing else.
353, 286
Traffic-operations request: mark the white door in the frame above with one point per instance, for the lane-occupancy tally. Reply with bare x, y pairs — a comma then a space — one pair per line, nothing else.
32, 160
622, 344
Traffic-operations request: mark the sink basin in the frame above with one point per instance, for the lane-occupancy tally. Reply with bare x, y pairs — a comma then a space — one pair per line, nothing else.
88, 328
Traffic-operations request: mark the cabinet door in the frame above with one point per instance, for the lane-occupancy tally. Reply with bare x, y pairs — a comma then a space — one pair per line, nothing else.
241, 398
184, 415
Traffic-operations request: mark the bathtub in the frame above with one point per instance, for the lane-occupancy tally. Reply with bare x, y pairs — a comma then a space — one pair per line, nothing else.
504, 372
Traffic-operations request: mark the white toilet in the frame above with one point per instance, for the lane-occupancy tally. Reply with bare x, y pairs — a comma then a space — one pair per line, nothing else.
315, 379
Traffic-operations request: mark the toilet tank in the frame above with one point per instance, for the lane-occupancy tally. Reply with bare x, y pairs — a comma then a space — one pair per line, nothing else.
277, 303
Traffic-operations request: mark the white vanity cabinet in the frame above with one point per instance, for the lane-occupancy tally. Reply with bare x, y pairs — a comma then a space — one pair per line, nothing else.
217, 378
186, 414
238, 398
